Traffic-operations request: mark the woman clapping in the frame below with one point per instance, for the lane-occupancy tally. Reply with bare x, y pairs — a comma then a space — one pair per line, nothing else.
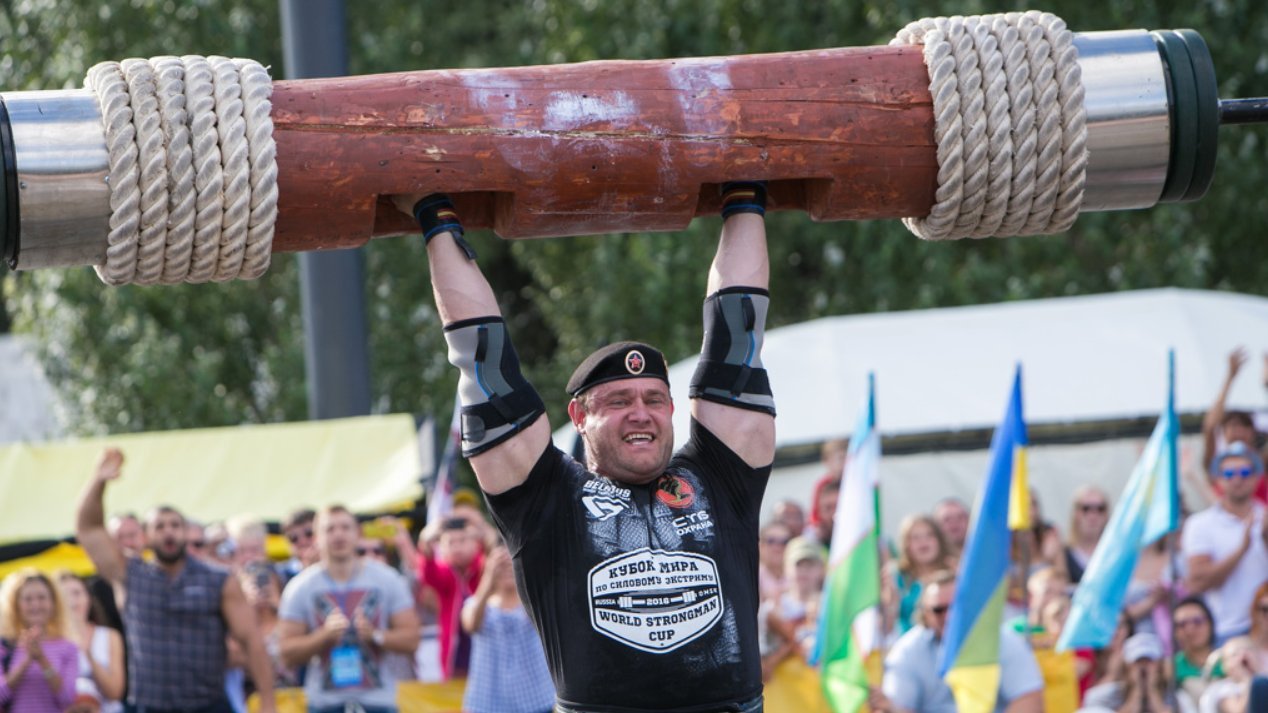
40, 664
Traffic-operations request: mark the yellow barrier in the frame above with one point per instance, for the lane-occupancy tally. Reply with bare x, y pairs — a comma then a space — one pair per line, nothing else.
794, 688
1060, 680
411, 697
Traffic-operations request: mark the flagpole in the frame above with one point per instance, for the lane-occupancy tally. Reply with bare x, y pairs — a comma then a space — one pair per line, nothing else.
882, 643
1024, 574
1173, 685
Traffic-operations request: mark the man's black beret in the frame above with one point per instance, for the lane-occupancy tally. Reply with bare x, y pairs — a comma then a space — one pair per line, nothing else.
623, 360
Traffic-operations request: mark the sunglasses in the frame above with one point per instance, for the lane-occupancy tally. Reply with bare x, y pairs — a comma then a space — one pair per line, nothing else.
196, 544
295, 537
777, 541
1093, 507
939, 610
1243, 472
1263, 609
363, 551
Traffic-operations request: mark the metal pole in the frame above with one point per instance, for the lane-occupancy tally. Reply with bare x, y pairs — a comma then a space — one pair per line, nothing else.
336, 349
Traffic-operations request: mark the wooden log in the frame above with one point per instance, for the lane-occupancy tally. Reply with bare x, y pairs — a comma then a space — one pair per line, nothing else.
608, 146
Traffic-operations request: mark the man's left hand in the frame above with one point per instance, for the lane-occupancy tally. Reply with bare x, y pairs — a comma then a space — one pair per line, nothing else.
365, 630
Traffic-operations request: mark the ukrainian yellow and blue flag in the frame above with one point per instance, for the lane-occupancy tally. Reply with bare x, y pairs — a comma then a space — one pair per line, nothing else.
969, 658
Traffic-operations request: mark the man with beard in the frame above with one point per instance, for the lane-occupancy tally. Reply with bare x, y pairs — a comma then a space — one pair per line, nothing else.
639, 567
177, 610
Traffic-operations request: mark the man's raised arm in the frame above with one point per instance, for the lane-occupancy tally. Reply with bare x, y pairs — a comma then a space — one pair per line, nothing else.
504, 429
730, 393
90, 524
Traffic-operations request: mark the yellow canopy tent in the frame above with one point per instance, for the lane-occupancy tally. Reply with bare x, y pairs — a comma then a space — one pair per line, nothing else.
370, 464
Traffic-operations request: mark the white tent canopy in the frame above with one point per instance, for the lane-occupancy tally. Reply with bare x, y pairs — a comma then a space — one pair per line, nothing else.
26, 398
1090, 358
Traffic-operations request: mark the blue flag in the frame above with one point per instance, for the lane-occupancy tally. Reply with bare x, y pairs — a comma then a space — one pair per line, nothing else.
969, 657
1148, 509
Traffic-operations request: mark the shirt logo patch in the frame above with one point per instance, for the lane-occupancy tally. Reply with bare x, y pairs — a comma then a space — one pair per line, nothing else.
634, 362
655, 601
675, 492
601, 507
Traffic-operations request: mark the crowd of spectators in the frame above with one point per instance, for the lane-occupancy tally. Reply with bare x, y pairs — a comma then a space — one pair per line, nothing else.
361, 605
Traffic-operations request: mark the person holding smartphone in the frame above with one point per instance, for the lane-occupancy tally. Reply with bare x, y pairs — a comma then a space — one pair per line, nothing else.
451, 563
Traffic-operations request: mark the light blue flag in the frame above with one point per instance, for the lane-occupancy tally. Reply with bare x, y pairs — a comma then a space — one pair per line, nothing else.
1148, 509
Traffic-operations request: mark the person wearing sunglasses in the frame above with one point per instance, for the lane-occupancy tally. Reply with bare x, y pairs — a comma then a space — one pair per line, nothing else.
1222, 426
1225, 544
911, 681
298, 529
1088, 516
1194, 633
772, 542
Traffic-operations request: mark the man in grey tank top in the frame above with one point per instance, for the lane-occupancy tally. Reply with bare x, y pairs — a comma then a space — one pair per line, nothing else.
177, 610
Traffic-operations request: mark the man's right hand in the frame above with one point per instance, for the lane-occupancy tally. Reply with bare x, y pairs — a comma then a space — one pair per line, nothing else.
110, 466
405, 202
497, 563
334, 627
1236, 360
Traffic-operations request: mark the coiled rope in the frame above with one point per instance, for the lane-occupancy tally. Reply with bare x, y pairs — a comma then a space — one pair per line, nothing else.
193, 169
1009, 122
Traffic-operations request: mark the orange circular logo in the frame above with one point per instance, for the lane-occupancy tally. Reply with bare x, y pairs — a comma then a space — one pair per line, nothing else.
675, 492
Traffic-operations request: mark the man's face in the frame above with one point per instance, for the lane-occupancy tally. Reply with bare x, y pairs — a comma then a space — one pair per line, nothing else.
954, 521
302, 542
1239, 479
793, 517
129, 534
936, 602
249, 550
372, 548
458, 547
196, 540
771, 547
627, 428
337, 535
166, 536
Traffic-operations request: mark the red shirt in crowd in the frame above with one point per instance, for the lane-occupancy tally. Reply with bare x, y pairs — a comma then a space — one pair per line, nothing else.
451, 590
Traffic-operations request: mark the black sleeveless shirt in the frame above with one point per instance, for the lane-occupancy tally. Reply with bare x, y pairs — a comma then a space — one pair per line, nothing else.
645, 597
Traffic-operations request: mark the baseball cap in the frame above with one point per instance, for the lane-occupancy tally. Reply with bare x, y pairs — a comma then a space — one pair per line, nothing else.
802, 548
1237, 449
1142, 646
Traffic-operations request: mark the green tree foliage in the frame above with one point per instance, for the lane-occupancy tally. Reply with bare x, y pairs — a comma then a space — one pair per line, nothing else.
153, 358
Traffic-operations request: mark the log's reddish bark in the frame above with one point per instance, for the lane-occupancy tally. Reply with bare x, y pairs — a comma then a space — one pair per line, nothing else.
607, 146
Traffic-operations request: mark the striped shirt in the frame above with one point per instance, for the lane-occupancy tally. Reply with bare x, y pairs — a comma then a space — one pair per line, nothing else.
32, 693
176, 635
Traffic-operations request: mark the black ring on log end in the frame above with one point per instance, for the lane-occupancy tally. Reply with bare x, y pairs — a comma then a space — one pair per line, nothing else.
1208, 114
9, 231
1182, 93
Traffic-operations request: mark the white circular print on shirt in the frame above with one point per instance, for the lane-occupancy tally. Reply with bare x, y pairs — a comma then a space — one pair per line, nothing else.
653, 600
